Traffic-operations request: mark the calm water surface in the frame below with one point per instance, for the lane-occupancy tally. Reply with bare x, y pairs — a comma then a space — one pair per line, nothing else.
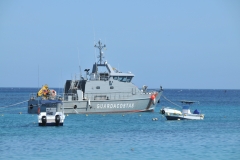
124, 136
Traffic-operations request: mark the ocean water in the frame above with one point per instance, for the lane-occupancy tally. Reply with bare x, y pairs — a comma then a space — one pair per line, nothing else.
124, 136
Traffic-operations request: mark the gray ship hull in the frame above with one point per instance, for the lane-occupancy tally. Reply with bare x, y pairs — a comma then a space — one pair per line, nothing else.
97, 106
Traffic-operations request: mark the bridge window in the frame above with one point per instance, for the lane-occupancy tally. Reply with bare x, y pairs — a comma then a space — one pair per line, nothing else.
98, 87
129, 78
122, 78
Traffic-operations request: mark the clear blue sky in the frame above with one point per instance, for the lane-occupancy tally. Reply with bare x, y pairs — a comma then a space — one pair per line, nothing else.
176, 44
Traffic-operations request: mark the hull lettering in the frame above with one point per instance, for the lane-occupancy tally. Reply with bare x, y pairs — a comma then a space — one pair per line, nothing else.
115, 106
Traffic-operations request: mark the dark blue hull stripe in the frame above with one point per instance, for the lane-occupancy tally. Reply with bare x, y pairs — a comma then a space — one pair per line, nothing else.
50, 124
175, 118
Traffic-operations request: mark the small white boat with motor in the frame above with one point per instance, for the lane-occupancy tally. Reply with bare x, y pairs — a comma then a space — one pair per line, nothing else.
51, 118
174, 114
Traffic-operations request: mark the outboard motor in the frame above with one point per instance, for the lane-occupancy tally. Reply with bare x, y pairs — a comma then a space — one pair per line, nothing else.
44, 120
57, 120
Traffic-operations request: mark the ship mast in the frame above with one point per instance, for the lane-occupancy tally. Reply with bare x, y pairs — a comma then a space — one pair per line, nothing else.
100, 47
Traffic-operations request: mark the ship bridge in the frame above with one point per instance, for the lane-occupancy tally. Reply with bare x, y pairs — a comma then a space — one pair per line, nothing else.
110, 71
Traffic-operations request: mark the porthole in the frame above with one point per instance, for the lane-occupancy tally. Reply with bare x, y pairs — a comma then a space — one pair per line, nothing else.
75, 106
31, 106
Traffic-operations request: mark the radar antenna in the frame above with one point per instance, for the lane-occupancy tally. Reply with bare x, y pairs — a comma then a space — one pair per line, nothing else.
100, 47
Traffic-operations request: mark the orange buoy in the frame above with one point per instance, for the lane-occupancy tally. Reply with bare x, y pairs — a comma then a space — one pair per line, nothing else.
152, 97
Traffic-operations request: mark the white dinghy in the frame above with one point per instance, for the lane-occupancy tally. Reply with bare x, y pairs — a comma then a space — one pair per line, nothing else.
174, 114
51, 117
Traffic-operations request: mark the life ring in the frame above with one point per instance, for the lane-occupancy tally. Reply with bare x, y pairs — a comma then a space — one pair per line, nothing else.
53, 93
38, 110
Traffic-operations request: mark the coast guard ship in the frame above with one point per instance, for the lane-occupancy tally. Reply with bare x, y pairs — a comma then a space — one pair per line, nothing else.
110, 91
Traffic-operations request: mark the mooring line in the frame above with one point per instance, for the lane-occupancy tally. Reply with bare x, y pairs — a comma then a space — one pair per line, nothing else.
13, 104
12, 109
171, 101
75, 111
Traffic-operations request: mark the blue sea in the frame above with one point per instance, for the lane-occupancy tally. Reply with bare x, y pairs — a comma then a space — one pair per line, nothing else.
124, 136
